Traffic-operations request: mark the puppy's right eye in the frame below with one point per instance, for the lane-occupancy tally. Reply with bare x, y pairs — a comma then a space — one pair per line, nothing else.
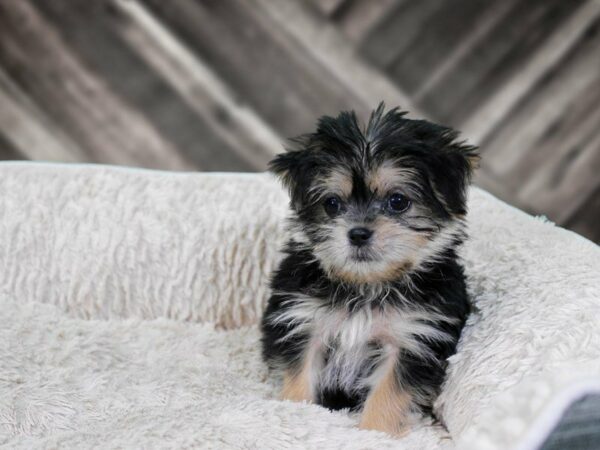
332, 206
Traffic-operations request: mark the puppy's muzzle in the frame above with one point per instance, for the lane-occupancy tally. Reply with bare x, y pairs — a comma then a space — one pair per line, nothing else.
359, 236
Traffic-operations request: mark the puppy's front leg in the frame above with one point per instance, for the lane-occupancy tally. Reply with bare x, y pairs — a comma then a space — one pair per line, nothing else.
299, 382
387, 406
296, 386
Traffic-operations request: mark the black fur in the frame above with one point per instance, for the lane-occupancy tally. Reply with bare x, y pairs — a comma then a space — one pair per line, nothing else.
442, 169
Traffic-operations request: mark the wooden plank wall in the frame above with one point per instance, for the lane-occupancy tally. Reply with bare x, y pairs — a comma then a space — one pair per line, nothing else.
219, 84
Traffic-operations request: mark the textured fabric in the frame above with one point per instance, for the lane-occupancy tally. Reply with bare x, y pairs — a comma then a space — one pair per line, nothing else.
130, 300
104, 242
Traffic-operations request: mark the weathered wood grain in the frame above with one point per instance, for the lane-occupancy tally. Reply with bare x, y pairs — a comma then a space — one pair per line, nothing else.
28, 132
359, 17
328, 7
499, 104
586, 221
449, 30
465, 29
8, 151
262, 64
94, 33
563, 187
495, 58
104, 127
246, 134
330, 48
575, 78
394, 33
578, 121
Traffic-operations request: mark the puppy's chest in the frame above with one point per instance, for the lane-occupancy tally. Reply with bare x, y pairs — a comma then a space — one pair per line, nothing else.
344, 331
360, 333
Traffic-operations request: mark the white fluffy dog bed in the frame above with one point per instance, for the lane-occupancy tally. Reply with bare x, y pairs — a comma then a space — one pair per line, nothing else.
130, 298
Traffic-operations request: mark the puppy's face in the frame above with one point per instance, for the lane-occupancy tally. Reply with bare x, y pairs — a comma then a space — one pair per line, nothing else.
373, 206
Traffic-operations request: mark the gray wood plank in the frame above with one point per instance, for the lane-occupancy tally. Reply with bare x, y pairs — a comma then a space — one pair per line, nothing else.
199, 87
549, 153
441, 34
103, 126
262, 64
497, 106
94, 32
328, 7
395, 33
574, 79
586, 220
359, 17
495, 59
333, 51
8, 152
577, 122
561, 188
29, 130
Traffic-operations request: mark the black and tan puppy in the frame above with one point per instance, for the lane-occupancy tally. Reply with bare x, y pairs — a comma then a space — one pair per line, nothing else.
370, 299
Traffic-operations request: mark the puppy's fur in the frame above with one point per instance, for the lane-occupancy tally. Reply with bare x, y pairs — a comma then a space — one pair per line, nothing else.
370, 299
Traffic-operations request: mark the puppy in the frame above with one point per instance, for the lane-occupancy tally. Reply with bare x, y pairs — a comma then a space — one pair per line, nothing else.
369, 300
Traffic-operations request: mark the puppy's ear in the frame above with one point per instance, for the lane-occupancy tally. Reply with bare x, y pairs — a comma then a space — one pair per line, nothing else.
451, 169
285, 165
294, 169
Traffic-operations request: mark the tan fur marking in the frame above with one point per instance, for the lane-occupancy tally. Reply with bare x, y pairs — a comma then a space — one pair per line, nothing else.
297, 384
393, 272
386, 407
387, 230
340, 182
387, 177
474, 161
296, 387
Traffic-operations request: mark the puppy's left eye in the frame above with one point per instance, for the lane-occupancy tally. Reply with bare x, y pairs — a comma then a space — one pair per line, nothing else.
332, 206
398, 203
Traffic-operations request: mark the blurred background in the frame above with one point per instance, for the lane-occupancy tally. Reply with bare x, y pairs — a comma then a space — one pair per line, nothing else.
219, 84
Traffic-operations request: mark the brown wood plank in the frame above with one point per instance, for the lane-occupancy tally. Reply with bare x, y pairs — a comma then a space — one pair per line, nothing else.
548, 150
247, 135
495, 59
564, 91
559, 190
577, 122
8, 152
328, 7
30, 132
359, 17
107, 129
332, 50
94, 32
395, 33
487, 180
420, 66
486, 118
586, 220
259, 61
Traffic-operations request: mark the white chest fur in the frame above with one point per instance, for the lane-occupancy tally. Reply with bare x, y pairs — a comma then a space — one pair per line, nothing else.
345, 346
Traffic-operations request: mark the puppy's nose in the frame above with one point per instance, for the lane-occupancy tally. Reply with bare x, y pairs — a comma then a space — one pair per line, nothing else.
359, 236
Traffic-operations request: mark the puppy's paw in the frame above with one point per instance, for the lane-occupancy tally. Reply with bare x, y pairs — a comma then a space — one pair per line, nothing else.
294, 396
296, 388
391, 427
